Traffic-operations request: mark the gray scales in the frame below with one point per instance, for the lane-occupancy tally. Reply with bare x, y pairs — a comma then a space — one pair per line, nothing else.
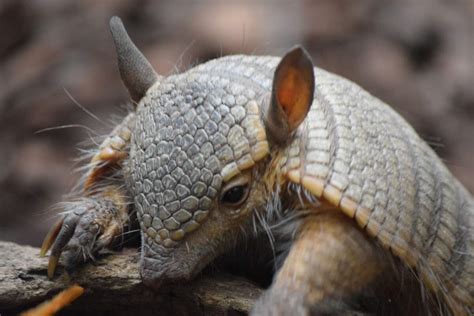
224, 129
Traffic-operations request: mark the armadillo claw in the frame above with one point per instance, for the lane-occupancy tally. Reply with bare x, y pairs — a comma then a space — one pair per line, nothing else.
85, 229
52, 264
59, 236
51, 237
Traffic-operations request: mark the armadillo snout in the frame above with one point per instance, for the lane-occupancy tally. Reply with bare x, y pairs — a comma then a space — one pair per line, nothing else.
160, 265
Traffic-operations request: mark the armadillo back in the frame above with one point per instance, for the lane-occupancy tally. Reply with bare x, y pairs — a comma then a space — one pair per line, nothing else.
363, 157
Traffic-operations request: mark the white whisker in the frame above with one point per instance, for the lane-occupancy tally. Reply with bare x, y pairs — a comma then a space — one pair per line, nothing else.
47, 129
82, 107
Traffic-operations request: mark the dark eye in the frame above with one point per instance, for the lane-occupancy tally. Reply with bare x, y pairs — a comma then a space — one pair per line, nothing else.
235, 195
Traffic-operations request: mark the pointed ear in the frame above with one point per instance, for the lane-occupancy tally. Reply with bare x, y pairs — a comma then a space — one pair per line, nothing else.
292, 94
136, 72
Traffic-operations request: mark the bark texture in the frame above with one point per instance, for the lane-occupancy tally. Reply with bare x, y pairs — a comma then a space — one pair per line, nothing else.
113, 285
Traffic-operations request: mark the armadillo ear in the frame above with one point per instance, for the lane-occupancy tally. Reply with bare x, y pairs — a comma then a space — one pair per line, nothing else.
292, 94
137, 73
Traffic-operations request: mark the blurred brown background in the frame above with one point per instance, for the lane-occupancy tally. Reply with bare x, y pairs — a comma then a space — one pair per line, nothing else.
416, 55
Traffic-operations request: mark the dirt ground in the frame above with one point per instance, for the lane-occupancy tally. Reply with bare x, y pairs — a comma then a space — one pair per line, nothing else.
417, 56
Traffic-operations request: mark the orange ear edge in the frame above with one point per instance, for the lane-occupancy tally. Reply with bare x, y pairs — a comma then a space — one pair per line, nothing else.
292, 94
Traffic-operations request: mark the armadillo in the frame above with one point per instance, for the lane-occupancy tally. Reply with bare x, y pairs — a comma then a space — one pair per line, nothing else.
244, 144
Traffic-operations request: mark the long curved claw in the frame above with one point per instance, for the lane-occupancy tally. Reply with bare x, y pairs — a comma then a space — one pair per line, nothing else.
89, 225
52, 264
68, 226
51, 237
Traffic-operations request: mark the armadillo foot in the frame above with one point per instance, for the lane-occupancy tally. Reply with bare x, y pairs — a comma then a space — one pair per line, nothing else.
89, 225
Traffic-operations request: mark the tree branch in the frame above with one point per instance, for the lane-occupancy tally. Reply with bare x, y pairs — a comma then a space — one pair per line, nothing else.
113, 285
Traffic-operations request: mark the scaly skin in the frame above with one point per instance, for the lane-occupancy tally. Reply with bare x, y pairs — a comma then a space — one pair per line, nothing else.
299, 162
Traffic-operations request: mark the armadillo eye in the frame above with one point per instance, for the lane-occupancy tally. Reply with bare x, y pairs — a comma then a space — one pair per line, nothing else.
235, 196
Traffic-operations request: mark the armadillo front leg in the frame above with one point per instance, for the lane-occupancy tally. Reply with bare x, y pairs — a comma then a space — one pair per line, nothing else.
94, 219
329, 261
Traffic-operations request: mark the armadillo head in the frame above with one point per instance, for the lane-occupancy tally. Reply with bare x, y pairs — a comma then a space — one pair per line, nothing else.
200, 155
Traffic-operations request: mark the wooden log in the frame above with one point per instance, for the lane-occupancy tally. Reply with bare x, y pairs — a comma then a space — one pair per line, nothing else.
113, 285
